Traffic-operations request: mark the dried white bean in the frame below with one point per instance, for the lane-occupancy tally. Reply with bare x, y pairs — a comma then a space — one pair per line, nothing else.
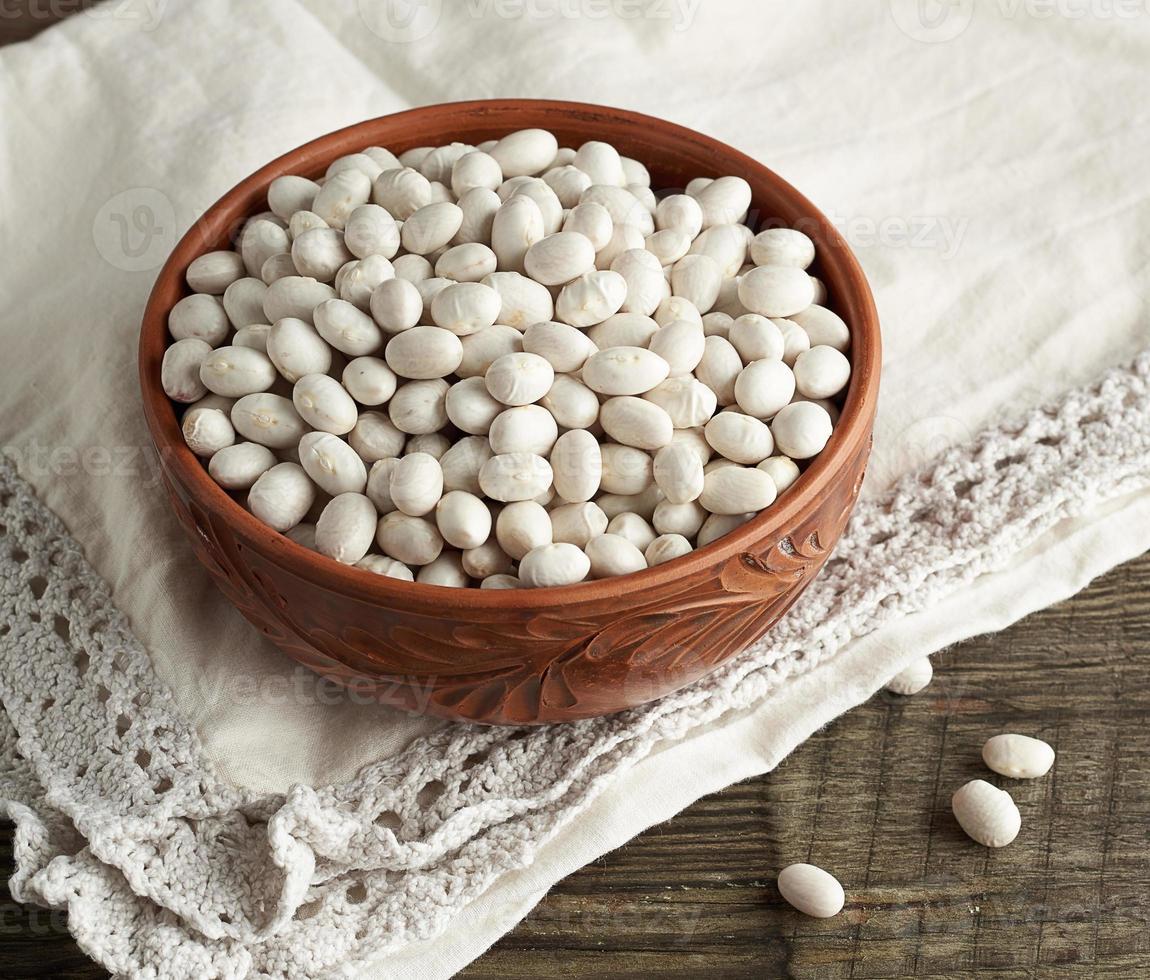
332, 464
737, 490
553, 565
1018, 756
986, 813
624, 371
782, 246
519, 379
811, 890
591, 298
419, 407
466, 307
636, 422
281, 496
346, 528
740, 438
237, 371
577, 466
324, 404
776, 290
521, 527
821, 372
411, 540
525, 429
268, 419
199, 317
611, 555
665, 548
515, 476
802, 429
783, 470
764, 388
180, 371
678, 472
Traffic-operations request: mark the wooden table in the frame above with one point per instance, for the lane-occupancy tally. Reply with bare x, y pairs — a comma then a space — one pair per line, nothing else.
867, 798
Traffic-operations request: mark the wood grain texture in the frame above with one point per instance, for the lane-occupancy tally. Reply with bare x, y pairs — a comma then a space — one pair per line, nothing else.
869, 799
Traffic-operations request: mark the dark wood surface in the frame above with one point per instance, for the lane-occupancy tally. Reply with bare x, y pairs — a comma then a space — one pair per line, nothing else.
867, 798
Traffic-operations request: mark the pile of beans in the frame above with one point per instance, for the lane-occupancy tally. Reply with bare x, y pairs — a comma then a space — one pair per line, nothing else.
511, 365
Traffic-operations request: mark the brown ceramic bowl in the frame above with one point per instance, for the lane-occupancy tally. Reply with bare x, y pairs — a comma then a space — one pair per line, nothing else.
525, 657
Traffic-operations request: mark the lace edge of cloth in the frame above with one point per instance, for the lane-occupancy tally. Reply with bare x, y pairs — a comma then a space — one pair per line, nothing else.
168, 871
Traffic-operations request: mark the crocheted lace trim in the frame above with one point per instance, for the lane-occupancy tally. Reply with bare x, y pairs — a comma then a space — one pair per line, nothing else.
166, 870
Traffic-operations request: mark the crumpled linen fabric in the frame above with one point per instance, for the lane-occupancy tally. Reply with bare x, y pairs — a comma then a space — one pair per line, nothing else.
994, 196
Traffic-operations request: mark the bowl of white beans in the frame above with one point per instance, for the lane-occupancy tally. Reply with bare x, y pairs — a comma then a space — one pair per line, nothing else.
512, 411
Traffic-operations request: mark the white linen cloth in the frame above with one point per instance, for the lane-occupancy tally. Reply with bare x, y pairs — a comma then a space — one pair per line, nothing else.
983, 163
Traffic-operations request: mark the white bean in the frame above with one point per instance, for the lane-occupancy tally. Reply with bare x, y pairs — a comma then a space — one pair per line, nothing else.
724, 201
419, 407
523, 300
401, 191
341, 195
678, 472
611, 555
757, 339
462, 463
553, 565
633, 527
564, 347
821, 372
525, 153
697, 278
180, 370
295, 296
572, 403
371, 230
369, 380
1018, 756
593, 221
332, 464
281, 496
207, 430
478, 206
782, 246
475, 169
320, 253
737, 490
719, 526
687, 401
267, 419
559, 258
578, 523
431, 227
591, 298
487, 560
324, 404
237, 371
681, 344
466, 307
624, 371
411, 540
416, 484
289, 194
199, 317
463, 519
517, 225
213, 272
626, 470
685, 519
986, 813
636, 422
665, 548
719, 369
387, 567
522, 526
782, 470
519, 379
802, 429
375, 437
468, 262
445, 571
740, 438
346, 528
776, 290
525, 429
623, 330
515, 476
811, 890
577, 466
763, 388
423, 353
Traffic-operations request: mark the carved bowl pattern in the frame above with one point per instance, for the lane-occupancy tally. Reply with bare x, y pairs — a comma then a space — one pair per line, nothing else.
525, 657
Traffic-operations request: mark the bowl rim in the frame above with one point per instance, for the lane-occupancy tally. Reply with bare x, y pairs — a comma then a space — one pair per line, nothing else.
855, 420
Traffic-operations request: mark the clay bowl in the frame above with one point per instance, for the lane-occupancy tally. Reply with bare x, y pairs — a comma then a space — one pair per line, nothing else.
525, 657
